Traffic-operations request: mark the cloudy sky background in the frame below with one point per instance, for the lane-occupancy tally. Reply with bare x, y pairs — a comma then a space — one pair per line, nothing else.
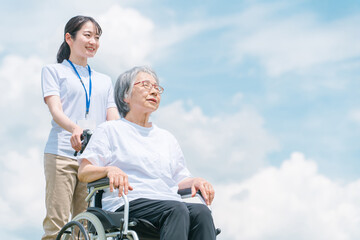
263, 97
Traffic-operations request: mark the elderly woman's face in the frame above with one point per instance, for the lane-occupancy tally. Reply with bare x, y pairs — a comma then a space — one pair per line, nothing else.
144, 97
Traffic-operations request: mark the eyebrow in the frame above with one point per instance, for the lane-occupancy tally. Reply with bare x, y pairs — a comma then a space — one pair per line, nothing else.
150, 81
89, 31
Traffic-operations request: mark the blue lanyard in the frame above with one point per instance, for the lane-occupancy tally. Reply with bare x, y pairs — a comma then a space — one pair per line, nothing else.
90, 87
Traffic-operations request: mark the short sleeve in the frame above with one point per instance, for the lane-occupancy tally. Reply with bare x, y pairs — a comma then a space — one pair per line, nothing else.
98, 150
111, 100
180, 171
49, 82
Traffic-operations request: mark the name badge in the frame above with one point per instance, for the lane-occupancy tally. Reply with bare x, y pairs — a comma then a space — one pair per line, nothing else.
87, 124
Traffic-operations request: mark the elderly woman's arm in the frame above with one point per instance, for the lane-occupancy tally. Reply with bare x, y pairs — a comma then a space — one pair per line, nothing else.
201, 184
117, 178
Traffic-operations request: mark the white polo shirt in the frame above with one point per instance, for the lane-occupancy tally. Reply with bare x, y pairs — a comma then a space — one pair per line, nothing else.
61, 80
151, 157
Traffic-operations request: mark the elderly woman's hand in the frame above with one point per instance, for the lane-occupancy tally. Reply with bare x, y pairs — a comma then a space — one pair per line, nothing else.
118, 179
205, 188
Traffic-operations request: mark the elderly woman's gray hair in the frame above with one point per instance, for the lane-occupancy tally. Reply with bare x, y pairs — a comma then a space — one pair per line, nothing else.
124, 86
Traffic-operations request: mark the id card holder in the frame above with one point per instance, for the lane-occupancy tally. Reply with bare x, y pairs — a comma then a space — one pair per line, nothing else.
87, 124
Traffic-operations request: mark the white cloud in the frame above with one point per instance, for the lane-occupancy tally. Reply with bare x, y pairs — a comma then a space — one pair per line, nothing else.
130, 38
22, 190
127, 38
25, 114
25, 125
237, 98
290, 202
18, 77
295, 42
354, 115
224, 147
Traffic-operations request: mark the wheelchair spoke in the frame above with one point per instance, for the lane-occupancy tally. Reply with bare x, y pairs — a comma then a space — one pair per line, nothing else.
73, 230
92, 225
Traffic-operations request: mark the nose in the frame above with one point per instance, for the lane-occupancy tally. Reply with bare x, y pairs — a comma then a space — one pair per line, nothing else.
153, 91
92, 40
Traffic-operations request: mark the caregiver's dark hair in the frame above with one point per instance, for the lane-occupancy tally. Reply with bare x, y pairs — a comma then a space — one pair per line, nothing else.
72, 27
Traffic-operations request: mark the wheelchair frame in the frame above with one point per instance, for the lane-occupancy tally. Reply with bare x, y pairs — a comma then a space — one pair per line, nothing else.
91, 227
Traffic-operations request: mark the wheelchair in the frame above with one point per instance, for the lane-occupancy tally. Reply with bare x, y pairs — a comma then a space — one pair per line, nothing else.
99, 224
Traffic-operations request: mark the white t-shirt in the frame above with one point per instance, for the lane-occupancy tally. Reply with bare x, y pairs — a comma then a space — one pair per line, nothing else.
61, 80
151, 157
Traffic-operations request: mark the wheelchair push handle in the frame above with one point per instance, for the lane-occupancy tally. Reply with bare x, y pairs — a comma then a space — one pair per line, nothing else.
85, 138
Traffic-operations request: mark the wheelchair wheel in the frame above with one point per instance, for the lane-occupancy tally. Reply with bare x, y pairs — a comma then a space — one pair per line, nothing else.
94, 228
71, 231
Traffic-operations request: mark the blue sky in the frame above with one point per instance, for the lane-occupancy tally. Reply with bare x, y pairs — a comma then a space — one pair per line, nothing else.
262, 96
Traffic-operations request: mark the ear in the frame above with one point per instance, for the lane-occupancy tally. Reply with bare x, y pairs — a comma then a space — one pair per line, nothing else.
126, 98
68, 39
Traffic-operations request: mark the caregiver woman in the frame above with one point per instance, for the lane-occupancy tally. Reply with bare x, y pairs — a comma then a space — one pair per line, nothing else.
78, 98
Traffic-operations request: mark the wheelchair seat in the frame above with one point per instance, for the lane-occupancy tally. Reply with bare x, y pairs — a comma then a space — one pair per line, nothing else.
109, 220
112, 221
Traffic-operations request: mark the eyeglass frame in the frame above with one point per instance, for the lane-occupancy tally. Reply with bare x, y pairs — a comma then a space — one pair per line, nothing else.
158, 88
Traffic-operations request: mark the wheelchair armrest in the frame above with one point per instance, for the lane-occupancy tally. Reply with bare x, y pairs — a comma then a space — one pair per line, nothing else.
102, 182
186, 193
95, 186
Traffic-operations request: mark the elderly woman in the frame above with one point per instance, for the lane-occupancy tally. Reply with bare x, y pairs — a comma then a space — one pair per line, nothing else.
146, 163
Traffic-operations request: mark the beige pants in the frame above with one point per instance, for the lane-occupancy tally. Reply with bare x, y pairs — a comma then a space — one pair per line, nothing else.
64, 193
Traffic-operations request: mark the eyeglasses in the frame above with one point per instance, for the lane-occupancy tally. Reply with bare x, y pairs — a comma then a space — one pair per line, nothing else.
148, 85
